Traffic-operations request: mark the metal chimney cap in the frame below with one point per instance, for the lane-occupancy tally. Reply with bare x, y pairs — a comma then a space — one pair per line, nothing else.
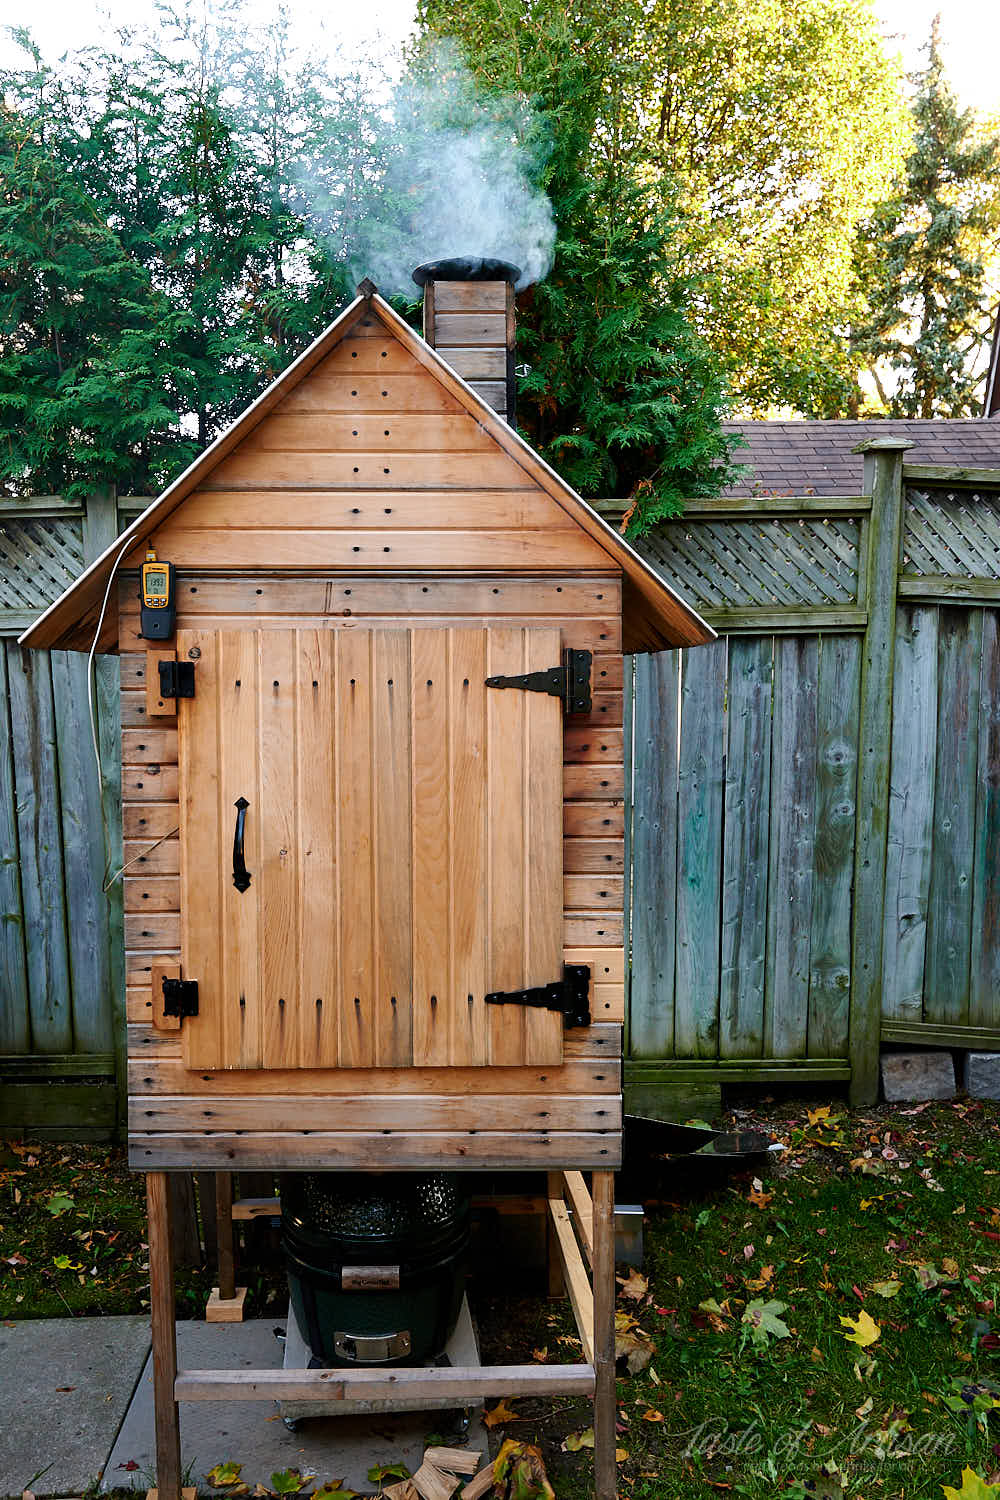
466, 268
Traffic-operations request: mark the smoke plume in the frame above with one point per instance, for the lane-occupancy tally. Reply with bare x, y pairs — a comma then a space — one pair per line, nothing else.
449, 170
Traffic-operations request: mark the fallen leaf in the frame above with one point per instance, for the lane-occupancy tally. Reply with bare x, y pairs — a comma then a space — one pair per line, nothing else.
865, 1407
863, 1330
288, 1481
757, 1195
499, 1414
379, 1473
221, 1476
574, 1441
886, 1288
632, 1345
334, 1489
519, 1472
973, 1488
815, 1115
540, 1355
635, 1286
763, 1321
652, 1416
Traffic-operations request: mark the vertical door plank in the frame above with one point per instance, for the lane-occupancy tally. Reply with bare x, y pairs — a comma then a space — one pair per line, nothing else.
837, 701
506, 847
391, 713
40, 846
699, 845
436, 1003
654, 854
204, 1038
911, 812
467, 694
745, 852
15, 1030
542, 803
83, 856
241, 751
793, 828
280, 833
984, 988
355, 854
318, 874
949, 912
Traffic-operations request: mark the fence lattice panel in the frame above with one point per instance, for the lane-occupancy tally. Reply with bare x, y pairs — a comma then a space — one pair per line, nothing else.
760, 563
951, 533
38, 559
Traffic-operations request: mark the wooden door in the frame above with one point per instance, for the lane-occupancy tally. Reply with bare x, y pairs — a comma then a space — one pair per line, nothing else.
403, 836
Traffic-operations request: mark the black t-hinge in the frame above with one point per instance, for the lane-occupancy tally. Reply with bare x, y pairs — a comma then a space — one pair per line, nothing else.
180, 997
569, 995
570, 682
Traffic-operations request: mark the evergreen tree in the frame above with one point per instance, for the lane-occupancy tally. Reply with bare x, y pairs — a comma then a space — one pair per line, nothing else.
927, 261
617, 390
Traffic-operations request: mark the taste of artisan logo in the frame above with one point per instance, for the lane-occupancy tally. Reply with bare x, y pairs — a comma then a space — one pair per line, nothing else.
713, 1440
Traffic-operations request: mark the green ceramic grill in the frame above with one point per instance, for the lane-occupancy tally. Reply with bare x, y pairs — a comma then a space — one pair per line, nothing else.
376, 1263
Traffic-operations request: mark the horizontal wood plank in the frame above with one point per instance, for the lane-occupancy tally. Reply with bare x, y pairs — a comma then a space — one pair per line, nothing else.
157, 1075
556, 550
465, 1385
398, 1112
357, 1151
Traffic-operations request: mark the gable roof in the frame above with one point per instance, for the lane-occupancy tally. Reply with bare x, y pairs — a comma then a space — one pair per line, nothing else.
815, 457
654, 614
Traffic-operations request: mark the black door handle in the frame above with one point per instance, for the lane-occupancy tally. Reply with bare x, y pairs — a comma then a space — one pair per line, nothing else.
241, 875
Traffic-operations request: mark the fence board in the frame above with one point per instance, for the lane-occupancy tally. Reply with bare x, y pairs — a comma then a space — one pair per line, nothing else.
654, 854
40, 842
699, 844
745, 848
793, 831
15, 1029
984, 966
837, 697
911, 813
949, 912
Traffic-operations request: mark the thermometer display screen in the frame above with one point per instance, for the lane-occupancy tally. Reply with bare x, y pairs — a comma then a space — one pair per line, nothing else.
155, 582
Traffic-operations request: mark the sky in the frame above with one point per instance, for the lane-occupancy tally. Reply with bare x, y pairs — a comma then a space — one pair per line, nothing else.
970, 28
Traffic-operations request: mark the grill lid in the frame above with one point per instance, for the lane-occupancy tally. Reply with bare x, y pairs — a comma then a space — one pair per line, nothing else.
359, 1206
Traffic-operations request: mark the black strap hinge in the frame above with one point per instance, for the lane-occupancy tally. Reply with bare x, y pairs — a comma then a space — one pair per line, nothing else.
180, 997
569, 995
176, 679
570, 682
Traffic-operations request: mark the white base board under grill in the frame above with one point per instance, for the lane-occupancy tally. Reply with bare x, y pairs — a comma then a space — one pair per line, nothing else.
462, 1350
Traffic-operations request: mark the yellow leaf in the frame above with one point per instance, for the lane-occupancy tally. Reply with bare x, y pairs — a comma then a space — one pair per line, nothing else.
815, 1115
652, 1416
949, 1266
973, 1488
863, 1330
757, 1195
540, 1355
501, 1413
621, 1454
636, 1286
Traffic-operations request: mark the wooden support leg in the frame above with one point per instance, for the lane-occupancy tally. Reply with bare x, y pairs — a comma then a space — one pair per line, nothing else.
605, 1468
225, 1304
161, 1304
554, 1182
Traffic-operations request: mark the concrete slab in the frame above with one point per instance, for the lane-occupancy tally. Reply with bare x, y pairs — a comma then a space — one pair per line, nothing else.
982, 1075
65, 1384
253, 1434
908, 1077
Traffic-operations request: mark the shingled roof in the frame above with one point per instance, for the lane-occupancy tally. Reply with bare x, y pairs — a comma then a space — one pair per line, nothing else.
803, 458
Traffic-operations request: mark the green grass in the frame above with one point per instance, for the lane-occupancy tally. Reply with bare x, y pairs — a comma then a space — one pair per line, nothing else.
854, 1200
811, 1413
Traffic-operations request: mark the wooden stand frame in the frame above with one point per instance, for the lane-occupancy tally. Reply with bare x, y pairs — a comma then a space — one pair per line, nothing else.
589, 1233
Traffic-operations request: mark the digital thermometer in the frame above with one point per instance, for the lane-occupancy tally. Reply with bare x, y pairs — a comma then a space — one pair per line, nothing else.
157, 601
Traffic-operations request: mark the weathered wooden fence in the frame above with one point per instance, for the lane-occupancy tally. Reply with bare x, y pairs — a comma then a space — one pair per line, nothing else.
815, 804
814, 812
61, 983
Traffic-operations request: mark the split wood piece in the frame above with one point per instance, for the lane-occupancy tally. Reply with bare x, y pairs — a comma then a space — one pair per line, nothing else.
432, 1484
583, 1212
466, 1383
404, 1490
164, 1338
225, 1309
605, 1465
479, 1486
454, 1460
575, 1272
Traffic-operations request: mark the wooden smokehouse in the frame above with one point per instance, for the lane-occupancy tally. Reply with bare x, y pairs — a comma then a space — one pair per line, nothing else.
373, 814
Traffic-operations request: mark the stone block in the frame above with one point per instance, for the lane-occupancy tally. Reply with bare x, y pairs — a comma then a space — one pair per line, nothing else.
981, 1075
911, 1077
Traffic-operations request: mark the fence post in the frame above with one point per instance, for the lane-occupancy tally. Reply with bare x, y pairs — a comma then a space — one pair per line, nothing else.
883, 470
100, 529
